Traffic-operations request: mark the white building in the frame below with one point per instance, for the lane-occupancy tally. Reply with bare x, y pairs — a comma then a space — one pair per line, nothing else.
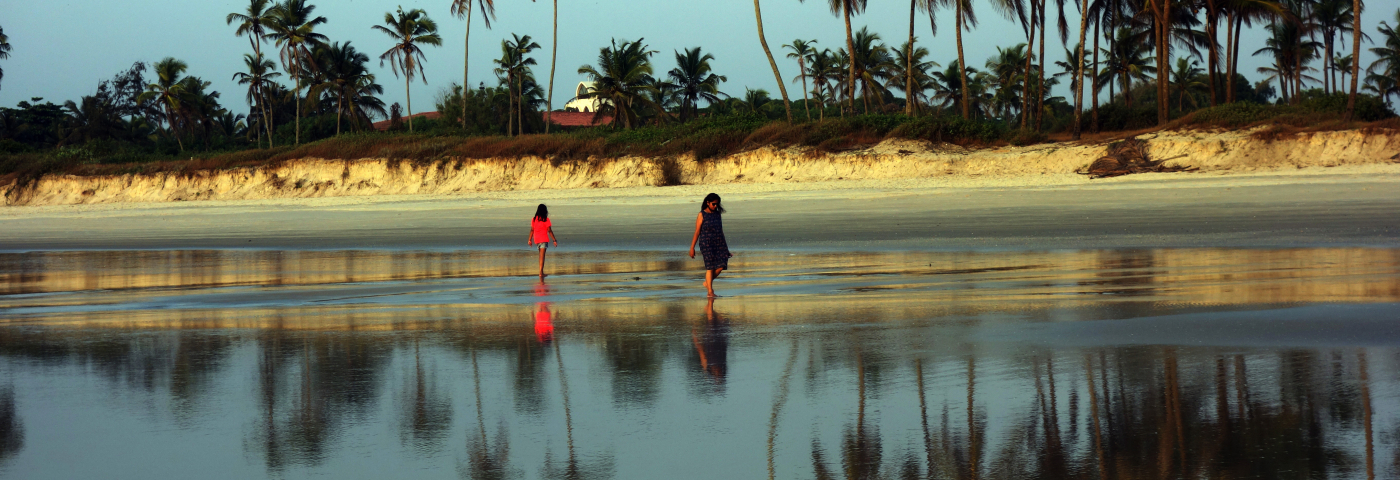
584, 104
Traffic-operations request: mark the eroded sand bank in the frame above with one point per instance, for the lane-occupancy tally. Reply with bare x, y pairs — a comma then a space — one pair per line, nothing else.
894, 163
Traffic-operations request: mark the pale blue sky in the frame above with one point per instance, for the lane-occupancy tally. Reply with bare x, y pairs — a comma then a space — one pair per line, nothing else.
62, 48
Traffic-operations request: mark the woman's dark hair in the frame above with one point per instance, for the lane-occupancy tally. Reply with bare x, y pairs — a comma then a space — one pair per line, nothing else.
542, 213
719, 207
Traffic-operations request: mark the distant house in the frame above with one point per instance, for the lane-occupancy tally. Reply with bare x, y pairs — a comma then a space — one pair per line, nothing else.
578, 119
384, 124
578, 104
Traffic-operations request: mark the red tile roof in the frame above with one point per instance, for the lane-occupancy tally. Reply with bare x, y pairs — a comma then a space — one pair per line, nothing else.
576, 119
384, 124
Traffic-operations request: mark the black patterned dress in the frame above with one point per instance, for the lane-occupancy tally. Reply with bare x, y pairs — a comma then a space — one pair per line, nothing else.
712, 244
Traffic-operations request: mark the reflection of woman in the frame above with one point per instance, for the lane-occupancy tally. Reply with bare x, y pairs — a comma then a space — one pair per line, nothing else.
712, 343
544, 321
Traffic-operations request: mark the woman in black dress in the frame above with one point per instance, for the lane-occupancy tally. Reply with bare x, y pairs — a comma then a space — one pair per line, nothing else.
709, 234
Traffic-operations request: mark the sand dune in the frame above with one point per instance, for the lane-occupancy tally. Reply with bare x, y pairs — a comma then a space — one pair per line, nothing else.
890, 164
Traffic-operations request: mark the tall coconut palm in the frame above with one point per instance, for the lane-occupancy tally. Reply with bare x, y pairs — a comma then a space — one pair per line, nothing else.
1288, 43
695, 81
1356, 59
1186, 78
782, 88
963, 18
260, 73
1005, 67
620, 80
846, 8
463, 8
168, 90
553, 59
409, 31
344, 72
909, 51
1387, 64
801, 51
4, 50
1079, 75
254, 23
294, 30
917, 71
515, 64
1128, 61
874, 64
822, 64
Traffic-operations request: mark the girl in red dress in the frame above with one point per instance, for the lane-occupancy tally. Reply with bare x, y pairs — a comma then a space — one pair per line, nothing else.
541, 231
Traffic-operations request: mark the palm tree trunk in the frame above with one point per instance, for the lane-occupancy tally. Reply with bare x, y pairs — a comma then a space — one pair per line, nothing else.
520, 104
170, 124
466, 55
962, 65
1095, 77
1211, 17
1355, 56
1229, 57
1079, 70
1326, 66
297, 79
782, 89
909, 64
339, 112
408, 97
851, 50
262, 98
1163, 71
1040, 78
1235, 59
1026, 82
553, 56
806, 102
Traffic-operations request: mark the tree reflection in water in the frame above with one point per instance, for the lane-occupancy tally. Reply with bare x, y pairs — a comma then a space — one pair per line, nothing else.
11, 428
955, 412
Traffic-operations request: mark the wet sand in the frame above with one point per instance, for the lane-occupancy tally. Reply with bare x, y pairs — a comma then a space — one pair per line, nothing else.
1160, 210
1164, 327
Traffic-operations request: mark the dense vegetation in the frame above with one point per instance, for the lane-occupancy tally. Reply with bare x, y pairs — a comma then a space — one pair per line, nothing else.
154, 117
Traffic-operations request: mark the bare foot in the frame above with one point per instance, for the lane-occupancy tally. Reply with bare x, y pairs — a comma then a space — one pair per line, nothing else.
543, 275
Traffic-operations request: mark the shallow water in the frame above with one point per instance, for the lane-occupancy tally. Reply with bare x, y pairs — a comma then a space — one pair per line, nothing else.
1171, 363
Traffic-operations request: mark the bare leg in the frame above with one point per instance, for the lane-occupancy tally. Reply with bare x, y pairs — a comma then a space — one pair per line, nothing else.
542, 263
710, 276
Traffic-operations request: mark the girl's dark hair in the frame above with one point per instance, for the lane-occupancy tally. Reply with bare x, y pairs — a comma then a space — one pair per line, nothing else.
719, 208
542, 213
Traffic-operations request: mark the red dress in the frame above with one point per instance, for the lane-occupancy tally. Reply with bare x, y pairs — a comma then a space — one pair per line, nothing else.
539, 231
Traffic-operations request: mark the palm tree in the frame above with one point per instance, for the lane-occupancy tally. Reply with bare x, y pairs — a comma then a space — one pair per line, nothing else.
1127, 61
1332, 17
255, 22
463, 8
1386, 68
754, 100
622, 76
782, 89
294, 29
344, 72
909, 51
1005, 67
168, 90
917, 71
1186, 77
1356, 59
1079, 62
1242, 13
553, 59
4, 50
874, 64
802, 50
515, 64
694, 81
260, 73
846, 8
1292, 51
408, 30
963, 18
822, 64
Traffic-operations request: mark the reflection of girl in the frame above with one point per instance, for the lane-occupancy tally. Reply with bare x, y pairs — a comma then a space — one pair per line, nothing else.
709, 234
544, 318
712, 344
541, 230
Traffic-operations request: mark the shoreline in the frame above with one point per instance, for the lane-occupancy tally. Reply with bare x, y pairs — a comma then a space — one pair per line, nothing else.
1345, 206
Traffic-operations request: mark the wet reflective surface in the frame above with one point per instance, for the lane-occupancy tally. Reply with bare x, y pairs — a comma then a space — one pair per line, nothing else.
1176, 363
